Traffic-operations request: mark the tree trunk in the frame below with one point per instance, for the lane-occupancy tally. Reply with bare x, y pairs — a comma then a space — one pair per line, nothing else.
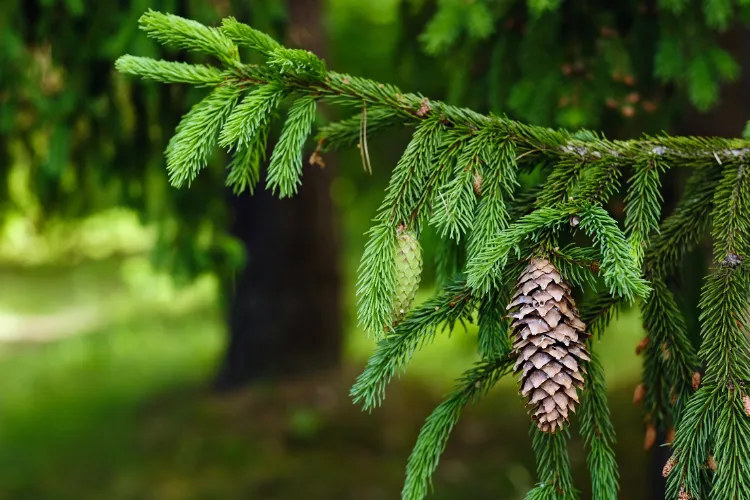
283, 314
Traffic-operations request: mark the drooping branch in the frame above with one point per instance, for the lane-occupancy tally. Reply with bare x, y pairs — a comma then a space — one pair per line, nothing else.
462, 173
301, 72
409, 107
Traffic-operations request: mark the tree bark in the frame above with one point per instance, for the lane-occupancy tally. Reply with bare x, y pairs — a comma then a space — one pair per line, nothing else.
284, 312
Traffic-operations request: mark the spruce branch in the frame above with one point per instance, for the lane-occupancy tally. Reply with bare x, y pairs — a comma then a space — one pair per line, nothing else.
436, 430
553, 467
302, 65
596, 427
730, 215
347, 132
451, 304
170, 72
598, 312
497, 182
693, 442
597, 182
524, 201
483, 269
724, 312
245, 36
732, 446
408, 183
195, 137
492, 337
187, 34
244, 169
404, 195
285, 170
455, 199
669, 358
619, 273
643, 205
251, 115
725, 350
560, 182
579, 265
293, 70
715, 413
493, 340
376, 280
449, 260
460, 172
689, 222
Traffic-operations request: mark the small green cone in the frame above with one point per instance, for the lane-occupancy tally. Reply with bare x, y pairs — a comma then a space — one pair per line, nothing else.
408, 273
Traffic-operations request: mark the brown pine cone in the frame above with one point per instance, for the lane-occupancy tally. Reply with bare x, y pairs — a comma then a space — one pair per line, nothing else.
548, 344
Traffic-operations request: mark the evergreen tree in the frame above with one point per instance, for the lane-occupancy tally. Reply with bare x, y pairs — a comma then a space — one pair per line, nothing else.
508, 245
621, 67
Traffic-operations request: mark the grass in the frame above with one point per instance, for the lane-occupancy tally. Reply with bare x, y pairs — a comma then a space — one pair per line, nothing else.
123, 412
73, 402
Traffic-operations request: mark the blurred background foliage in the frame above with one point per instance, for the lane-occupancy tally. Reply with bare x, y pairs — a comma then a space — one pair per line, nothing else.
112, 283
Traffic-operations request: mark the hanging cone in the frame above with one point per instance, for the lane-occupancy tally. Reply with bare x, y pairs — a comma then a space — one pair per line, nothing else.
548, 342
408, 273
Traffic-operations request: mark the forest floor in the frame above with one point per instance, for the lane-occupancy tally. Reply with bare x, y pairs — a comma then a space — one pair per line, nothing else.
125, 411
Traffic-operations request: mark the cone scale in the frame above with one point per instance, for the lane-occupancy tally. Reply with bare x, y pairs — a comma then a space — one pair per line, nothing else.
548, 344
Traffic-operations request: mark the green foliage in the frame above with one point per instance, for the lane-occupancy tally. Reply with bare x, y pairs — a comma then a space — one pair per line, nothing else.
285, 169
251, 116
90, 139
434, 434
577, 264
449, 257
244, 169
692, 444
169, 72
376, 279
717, 420
496, 181
453, 303
669, 357
463, 172
245, 36
685, 227
348, 132
492, 338
452, 19
176, 31
578, 64
598, 434
618, 270
455, 200
553, 467
195, 137
731, 200
642, 206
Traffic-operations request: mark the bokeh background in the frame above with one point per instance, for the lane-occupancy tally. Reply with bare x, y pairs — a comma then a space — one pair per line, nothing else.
126, 370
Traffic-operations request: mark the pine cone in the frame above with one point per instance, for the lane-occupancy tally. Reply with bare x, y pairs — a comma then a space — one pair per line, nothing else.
669, 466
408, 273
548, 344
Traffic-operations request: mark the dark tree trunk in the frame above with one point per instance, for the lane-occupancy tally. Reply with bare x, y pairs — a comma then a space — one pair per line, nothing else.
283, 314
